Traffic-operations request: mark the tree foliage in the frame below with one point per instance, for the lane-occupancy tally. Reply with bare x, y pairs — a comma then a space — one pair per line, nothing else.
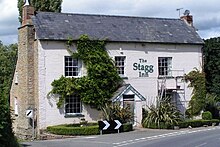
197, 82
8, 56
201, 98
41, 5
212, 65
102, 79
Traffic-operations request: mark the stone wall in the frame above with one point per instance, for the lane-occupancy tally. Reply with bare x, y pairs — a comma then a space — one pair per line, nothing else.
24, 89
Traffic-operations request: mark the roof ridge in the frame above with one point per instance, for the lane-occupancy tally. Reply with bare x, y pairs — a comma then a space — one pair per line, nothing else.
111, 15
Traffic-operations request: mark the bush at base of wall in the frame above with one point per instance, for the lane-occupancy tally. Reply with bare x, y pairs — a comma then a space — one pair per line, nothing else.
155, 126
68, 130
198, 123
75, 129
185, 124
207, 115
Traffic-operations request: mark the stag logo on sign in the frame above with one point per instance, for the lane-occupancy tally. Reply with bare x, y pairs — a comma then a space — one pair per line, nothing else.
143, 68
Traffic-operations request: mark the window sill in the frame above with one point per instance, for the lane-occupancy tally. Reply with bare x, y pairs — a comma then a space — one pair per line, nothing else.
73, 76
123, 77
167, 77
73, 115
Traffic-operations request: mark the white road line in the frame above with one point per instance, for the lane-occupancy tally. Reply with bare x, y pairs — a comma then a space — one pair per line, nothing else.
201, 144
127, 142
145, 138
123, 142
91, 137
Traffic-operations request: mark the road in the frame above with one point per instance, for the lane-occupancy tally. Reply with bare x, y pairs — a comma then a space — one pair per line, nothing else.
202, 137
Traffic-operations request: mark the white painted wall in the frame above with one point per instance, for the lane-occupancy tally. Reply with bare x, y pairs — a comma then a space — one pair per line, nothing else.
51, 66
184, 57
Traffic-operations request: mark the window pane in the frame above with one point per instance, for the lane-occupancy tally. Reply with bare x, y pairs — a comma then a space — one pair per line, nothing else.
120, 64
73, 104
72, 67
164, 66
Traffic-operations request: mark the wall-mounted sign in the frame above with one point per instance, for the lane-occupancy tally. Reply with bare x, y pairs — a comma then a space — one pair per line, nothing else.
29, 113
143, 68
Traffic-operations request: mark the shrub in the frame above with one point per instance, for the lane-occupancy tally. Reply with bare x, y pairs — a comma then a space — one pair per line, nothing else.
144, 113
198, 123
127, 127
90, 129
161, 126
116, 112
165, 115
71, 130
207, 115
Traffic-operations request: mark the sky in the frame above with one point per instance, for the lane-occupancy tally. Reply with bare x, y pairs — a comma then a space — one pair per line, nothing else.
206, 13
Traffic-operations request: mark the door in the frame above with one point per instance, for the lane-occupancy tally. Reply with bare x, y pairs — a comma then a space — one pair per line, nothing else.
128, 101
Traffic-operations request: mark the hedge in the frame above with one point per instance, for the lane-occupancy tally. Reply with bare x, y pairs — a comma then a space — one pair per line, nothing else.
65, 130
161, 126
127, 127
185, 124
198, 123
90, 129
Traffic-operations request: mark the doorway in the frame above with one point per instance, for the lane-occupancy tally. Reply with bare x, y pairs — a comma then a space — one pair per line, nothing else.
128, 101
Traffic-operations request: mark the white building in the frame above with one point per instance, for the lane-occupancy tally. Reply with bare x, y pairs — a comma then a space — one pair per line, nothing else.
152, 55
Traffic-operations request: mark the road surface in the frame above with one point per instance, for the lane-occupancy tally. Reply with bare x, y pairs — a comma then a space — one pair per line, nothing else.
198, 137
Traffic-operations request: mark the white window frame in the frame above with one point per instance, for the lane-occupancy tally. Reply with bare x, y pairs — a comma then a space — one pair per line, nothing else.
119, 65
71, 107
16, 77
164, 66
67, 65
16, 106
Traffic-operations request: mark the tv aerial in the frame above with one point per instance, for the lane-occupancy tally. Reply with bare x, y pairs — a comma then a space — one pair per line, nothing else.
179, 9
186, 13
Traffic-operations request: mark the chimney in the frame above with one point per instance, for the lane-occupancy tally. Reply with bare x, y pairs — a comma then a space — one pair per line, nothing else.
27, 12
187, 18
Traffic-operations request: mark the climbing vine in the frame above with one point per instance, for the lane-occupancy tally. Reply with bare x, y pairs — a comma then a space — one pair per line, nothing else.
101, 81
198, 100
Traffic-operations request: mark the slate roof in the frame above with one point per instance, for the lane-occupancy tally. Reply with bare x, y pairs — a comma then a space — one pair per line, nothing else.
60, 26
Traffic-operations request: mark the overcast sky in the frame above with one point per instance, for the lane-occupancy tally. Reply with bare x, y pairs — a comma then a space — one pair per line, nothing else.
206, 13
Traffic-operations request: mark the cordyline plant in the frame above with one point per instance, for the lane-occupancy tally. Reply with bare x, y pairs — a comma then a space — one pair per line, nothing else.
114, 111
163, 114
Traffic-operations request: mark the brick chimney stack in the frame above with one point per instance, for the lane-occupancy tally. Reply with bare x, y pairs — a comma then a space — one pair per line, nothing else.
187, 18
27, 12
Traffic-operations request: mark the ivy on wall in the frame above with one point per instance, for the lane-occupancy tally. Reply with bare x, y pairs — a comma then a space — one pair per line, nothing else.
198, 100
101, 81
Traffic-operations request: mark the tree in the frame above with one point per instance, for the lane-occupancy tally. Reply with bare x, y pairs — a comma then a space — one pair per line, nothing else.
212, 65
41, 5
8, 56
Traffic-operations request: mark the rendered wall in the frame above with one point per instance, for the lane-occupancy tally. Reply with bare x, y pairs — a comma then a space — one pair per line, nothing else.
51, 66
184, 58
